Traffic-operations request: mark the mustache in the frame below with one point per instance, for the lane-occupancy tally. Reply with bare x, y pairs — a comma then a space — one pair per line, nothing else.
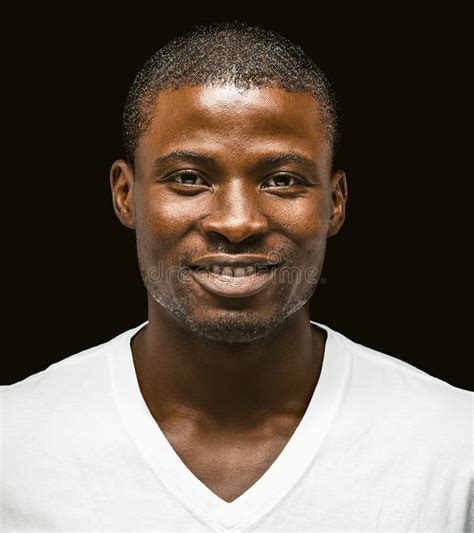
280, 254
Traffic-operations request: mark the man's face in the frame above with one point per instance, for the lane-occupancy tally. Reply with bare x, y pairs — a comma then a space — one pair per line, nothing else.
227, 171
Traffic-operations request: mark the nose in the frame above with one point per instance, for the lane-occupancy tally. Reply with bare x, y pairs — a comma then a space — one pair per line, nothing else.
235, 213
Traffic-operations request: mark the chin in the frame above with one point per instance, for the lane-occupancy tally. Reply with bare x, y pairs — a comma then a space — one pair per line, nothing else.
228, 330
229, 327
237, 327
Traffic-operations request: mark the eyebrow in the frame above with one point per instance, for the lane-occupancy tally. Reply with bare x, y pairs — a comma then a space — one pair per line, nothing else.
181, 154
284, 157
289, 157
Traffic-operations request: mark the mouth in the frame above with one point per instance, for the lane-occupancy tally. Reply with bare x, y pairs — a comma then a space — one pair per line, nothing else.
235, 281
234, 271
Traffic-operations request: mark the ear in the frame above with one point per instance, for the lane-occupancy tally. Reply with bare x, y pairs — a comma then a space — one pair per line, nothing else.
121, 183
339, 199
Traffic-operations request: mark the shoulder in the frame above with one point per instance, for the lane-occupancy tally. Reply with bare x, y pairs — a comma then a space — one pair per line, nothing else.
402, 396
390, 369
37, 396
63, 368
76, 379
70, 402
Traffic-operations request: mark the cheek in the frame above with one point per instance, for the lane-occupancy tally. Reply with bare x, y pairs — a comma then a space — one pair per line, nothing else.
173, 211
305, 220
160, 217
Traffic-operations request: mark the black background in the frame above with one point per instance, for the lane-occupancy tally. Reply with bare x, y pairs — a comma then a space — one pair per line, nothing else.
392, 275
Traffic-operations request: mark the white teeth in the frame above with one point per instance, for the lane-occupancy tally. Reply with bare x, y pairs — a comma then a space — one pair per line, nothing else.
236, 272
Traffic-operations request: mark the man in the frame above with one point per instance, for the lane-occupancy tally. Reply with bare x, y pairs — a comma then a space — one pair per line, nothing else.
229, 410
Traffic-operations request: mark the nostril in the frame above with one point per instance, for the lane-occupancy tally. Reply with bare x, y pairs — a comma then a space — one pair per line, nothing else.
235, 228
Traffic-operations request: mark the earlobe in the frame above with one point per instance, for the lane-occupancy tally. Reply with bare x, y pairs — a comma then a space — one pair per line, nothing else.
339, 198
121, 184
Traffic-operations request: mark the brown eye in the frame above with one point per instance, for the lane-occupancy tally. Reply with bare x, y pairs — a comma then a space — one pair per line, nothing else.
283, 180
187, 178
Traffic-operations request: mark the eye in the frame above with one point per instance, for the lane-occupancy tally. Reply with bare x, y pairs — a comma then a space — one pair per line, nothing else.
283, 180
187, 177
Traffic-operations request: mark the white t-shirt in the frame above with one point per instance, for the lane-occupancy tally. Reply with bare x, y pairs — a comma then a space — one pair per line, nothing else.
382, 447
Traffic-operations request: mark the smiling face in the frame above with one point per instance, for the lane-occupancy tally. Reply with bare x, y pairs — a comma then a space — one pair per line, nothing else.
228, 171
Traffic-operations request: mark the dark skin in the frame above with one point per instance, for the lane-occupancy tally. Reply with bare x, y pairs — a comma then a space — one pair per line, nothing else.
229, 379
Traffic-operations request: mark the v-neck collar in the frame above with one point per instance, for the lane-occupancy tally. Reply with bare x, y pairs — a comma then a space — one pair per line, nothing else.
280, 477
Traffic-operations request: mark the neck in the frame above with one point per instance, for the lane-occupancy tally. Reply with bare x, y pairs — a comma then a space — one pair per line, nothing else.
181, 374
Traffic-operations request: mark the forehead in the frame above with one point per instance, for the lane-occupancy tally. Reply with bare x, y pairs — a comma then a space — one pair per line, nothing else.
228, 121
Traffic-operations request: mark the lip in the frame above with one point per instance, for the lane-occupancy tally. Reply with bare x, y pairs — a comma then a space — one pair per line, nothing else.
241, 260
234, 287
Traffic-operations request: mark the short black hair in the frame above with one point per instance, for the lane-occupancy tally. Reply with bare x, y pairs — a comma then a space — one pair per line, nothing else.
226, 53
